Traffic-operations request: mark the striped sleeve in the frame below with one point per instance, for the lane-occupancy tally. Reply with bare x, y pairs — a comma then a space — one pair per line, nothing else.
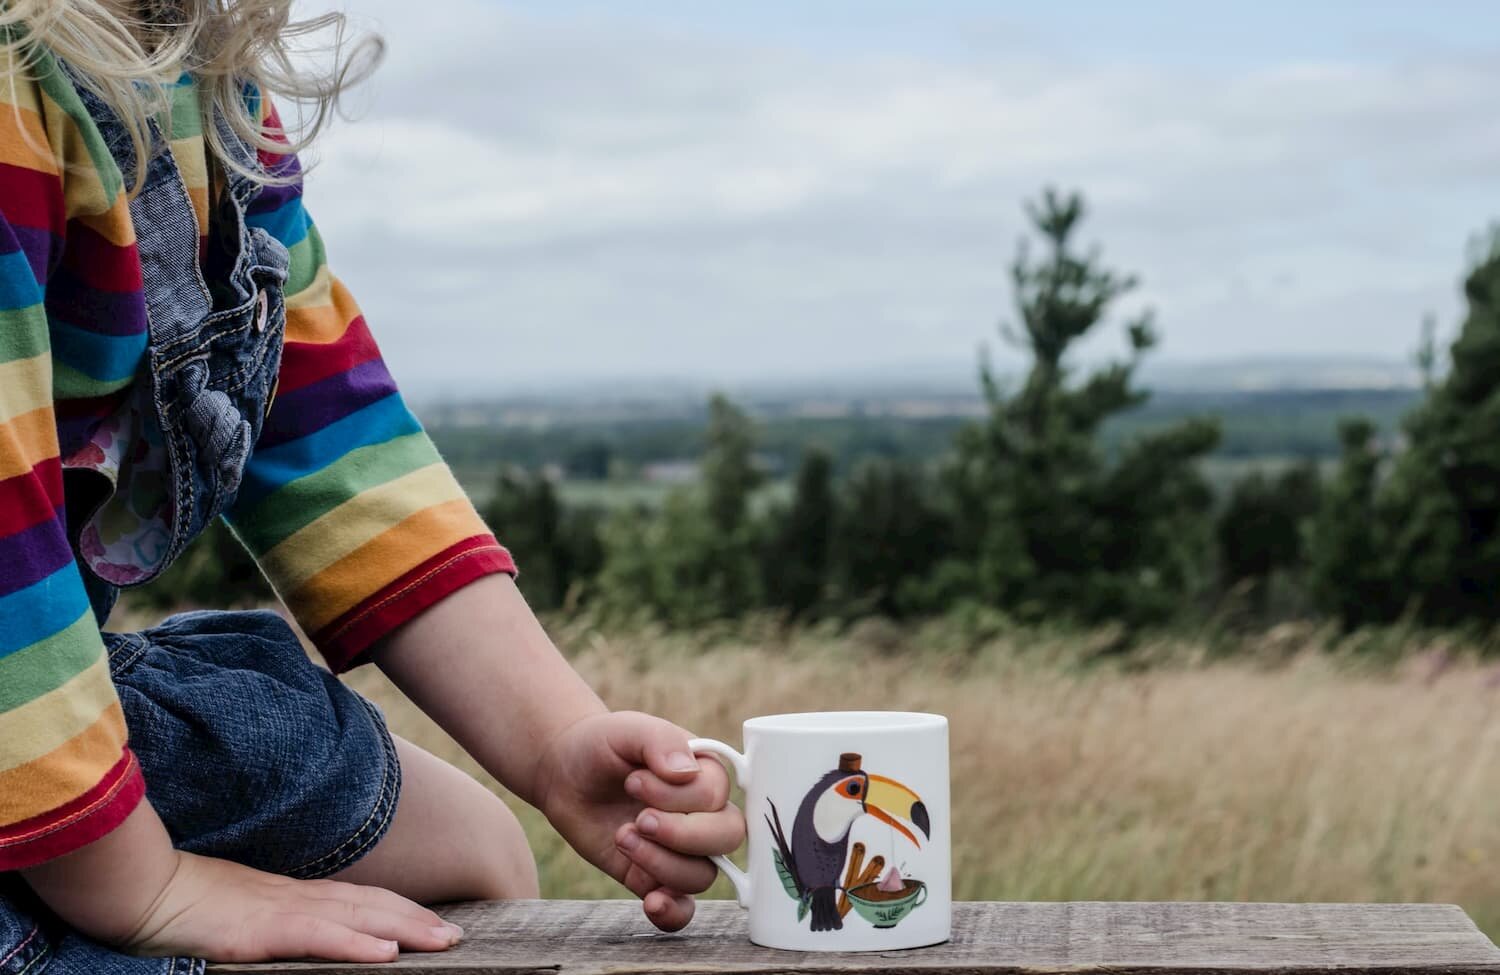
66, 775
345, 503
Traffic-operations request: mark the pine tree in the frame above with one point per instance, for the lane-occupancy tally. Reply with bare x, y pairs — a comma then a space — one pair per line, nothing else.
1350, 568
1443, 500
1047, 525
796, 566
558, 549
1263, 526
698, 559
890, 537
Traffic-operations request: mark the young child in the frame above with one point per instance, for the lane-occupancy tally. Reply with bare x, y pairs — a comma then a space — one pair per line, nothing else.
173, 349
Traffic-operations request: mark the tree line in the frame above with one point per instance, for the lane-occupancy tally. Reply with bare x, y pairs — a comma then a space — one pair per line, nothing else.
1029, 510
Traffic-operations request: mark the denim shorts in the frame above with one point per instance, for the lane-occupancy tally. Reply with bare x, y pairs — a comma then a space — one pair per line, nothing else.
250, 752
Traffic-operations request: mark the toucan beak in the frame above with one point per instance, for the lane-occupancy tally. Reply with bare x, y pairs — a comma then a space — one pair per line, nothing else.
894, 804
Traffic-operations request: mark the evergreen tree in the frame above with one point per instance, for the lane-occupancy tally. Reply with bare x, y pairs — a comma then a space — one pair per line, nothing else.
1442, 504
890, 537
557, 550
1349, 569
729, 472
1262, 528
796, 565
1046, 524
698, 559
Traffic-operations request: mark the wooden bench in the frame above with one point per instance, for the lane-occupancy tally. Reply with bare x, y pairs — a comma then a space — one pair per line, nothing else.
597, 937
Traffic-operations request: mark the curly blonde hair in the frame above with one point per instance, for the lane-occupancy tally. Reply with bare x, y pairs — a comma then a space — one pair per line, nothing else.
124, 49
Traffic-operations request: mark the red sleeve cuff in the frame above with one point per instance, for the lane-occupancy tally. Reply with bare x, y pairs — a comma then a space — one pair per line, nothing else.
77, 823
344, 641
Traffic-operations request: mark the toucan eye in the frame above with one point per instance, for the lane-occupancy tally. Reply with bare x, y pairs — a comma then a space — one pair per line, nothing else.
851, 789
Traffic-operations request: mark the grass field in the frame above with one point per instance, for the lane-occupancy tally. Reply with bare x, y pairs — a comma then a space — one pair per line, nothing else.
1292, 776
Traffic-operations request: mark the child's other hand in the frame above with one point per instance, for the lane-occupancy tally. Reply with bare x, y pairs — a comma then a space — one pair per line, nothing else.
131, 889
231, 913
626, 792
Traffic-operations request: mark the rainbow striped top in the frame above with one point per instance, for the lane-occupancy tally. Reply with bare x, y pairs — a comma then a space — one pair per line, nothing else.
345, 503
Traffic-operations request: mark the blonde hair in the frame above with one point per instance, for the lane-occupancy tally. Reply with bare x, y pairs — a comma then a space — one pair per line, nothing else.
123, 49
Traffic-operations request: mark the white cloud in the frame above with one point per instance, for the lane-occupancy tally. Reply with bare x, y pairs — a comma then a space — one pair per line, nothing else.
574, 197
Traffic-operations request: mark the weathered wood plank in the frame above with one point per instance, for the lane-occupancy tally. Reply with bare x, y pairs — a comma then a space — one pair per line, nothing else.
612, 938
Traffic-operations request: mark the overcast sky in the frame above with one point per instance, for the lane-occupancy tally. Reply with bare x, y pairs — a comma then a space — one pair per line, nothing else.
544, 193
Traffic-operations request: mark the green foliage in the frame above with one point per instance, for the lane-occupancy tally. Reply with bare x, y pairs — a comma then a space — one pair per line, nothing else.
698, 559
1425, 541
559, 549
1051, 527
1349, 570
1263, 527
890, 534
729, 473
1075, 498
799, 548
601, 456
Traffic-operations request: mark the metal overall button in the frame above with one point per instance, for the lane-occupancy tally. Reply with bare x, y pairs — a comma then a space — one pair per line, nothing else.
262, 310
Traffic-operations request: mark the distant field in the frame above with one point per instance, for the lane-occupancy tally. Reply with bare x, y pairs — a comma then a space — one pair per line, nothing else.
1301, 423
1220, 471
1298, 779
1263, 430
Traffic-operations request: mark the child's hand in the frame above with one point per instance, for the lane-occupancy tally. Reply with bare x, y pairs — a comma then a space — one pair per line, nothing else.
227, 912
624, 790
131, 889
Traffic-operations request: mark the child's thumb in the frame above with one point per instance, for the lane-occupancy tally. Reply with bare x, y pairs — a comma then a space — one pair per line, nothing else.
666, 750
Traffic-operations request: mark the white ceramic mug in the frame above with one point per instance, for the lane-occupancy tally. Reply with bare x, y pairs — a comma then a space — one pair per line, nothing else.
827, 795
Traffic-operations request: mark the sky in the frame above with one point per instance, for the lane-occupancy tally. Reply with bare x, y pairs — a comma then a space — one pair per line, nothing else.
544, 194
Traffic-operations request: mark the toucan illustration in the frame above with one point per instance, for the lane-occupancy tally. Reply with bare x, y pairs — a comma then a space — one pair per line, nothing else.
819, 843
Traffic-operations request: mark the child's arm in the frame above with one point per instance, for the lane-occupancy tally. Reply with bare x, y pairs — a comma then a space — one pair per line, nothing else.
132, 889
479, 663
73, 820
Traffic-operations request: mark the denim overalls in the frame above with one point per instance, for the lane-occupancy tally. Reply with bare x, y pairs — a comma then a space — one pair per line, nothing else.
249, 751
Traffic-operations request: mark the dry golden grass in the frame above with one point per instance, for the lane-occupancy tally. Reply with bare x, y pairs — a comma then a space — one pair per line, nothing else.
1307, 780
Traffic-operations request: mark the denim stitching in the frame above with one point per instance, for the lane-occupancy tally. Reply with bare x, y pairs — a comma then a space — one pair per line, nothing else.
35, 930
370, 831
215, 318
232, 382
203, 347
235, 380
124, 654
182, 322
36, 958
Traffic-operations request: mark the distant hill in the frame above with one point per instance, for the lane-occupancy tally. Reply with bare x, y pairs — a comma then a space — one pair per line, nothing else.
922, 390
1269, 375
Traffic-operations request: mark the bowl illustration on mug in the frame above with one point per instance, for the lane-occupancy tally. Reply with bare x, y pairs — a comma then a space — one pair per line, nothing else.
809, 860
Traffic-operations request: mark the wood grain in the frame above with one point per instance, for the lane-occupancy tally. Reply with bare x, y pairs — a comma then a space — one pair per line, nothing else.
613, 938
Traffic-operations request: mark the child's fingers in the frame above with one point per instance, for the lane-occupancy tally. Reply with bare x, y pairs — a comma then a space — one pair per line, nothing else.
305, 936
639, 882
696, 833
708, 791
667, 909
411, 933
376, 897
671, 869
643, 739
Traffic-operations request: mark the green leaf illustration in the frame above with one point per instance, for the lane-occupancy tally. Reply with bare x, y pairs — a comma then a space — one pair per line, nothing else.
786, 880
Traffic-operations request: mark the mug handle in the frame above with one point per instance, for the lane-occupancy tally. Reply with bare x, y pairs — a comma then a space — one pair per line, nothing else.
741, 767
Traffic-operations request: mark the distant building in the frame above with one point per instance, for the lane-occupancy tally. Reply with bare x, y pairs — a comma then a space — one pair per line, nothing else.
671, 472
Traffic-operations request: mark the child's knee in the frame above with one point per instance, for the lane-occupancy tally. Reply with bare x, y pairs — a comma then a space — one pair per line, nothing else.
504, 866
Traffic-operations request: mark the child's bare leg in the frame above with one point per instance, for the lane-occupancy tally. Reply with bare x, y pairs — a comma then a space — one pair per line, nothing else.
450, 839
